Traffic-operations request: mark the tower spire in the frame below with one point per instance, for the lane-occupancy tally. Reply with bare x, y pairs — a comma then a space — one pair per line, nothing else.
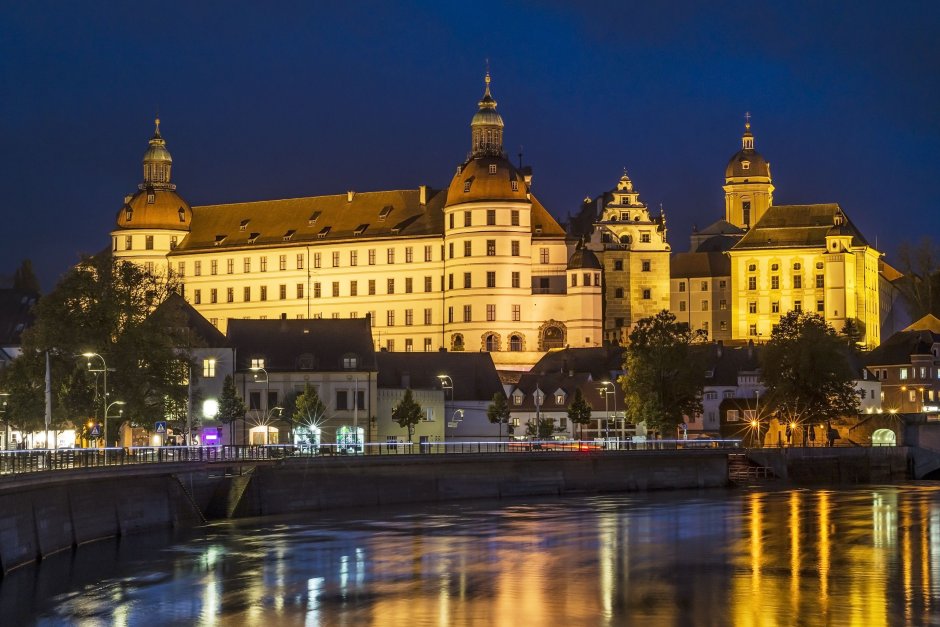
157, 162
487, 125
747, 140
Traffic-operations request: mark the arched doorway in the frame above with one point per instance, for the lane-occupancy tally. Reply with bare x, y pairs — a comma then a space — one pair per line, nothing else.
552, 335
884, 437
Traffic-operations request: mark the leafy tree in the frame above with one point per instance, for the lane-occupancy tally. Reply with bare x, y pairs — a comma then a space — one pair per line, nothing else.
25, 278
806, 370
541, 428
664, 375
109, 307
407, 413
231, 406
579, 411
498, 413
852, 332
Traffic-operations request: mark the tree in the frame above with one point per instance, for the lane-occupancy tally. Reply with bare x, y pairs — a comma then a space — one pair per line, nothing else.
25, 278
498, 413
407, 413
664, 375
231, 406
579, 411
852, 332
541, 428
307, 409
108, 307
806, 371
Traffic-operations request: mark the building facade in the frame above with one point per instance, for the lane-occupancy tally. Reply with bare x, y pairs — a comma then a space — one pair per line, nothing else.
481, 265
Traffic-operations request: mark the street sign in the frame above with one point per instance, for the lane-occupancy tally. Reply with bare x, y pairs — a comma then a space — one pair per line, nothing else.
96, 431
160, 426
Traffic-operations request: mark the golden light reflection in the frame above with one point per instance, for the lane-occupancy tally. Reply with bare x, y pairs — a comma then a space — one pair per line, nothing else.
795, 531
825, 558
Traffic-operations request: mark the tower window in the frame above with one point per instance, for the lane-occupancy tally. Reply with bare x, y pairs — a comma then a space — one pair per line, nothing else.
515, 185
492, 168
746, 208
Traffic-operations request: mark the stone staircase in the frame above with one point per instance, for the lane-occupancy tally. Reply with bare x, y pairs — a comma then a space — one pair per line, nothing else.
742, 471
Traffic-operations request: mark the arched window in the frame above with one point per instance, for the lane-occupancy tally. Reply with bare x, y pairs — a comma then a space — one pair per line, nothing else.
553, 336
884, 437
492, 343
515, 343
456, 342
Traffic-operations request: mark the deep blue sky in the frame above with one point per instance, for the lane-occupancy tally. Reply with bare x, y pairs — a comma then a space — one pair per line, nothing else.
276, 100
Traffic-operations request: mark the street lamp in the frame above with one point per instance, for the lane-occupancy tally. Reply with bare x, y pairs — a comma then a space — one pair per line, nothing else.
755, 425
88, 355
447, 384
613, 391
267, 395
108, 409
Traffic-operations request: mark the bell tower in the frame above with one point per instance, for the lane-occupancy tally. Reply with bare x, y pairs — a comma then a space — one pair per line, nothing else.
748, 186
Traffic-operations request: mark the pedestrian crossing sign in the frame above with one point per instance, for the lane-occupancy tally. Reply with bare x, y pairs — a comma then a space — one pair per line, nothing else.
161, 427
96, 431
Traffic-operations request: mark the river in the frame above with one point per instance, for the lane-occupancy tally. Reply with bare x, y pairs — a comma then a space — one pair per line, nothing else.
858, 556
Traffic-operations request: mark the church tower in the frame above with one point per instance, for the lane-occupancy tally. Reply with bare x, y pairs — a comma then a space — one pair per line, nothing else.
748, 187
155, 219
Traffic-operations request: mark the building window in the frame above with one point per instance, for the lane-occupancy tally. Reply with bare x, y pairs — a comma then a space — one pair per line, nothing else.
450, 281
371, 287
514, 216
467, 248
466, 280
427, 345
746, 208
775, 282
515, 248
450, 250
390, 345
428, 253
428, 316
148, 242
752, 330
752, 282
409, 347
390, 286
491, 217
752, 267
282, 289
450, 315
230, 266
820, 281
704, 305
390, 255
208, 368
390, 318
451, 220
775, 307
246, 265
797, 281
230, 295
128, 242
681, 284
282, 262
515, 345
468, 313
409, 284
516, 313
214, 267
371, 256
705, 326
618, 293
516, 281
681, 305
354, 288
645, 238
427, 284
752, 307
491, 248
723, 325
722, 304
335, 289
264, 292
903, 374
820, 306
409, 254
647, 294
574, 280
491, 313
409, 317
491, 343
467, 220
300, 261
197, 297
317, 290
247, 293
543, 255
722, 284
644, 265
300, 290
797, 305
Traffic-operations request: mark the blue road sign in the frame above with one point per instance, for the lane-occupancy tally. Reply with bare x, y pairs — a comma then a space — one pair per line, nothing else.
96, 431
160, 427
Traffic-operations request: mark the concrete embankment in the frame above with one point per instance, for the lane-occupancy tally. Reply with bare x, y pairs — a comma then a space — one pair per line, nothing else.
44, 513
822, 465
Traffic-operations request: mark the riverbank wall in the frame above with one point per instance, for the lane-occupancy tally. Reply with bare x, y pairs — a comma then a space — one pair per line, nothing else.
836, 466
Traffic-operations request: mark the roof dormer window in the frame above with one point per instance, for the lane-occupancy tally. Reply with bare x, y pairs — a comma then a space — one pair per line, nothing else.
323, 232
243, 225
313, 218
253, 237
387, 209
219, 239
745, 165
129, 214
182, 214
466, 185
515, 185
360, 229
289, 235
150, 198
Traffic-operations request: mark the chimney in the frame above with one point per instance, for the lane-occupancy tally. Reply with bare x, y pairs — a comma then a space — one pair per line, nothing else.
405, 380
423, 194
349, 195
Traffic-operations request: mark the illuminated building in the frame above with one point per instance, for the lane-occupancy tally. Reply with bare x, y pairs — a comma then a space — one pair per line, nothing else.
481, 265
632, 247
908, 366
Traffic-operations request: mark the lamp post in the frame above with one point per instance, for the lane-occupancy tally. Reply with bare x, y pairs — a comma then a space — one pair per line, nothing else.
447, 384
106, 410
613, 391
757, 415
88, 355
267, 396
607, 394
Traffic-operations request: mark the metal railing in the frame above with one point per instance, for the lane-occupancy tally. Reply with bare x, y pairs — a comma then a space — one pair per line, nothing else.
42, 460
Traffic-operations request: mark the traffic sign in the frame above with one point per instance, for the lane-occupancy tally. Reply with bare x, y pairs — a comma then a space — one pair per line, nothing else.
160, 426
96, 431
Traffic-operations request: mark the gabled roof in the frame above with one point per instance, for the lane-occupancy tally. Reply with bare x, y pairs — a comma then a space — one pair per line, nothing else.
699, 264
927, 323
724, 363
591, 388
294, 345
899, 348
176, 305
602, 362
300, 221
799, 226
15, 314
473, 374
721, 227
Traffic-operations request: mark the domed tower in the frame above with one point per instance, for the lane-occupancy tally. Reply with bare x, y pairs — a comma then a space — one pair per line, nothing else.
155, 219
748, 187
487, 242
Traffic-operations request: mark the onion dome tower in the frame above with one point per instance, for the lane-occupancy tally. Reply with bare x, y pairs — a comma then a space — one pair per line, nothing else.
155, 219
748, 185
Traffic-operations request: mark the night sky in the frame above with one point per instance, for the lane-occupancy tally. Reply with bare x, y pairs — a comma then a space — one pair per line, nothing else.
278, 100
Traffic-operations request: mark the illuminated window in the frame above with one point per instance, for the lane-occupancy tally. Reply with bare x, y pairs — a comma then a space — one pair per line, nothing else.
409, 254
230, 295
230, 266
516, 276
492, 168
543, 255
208, 368
491, 248
491, 313
197, 297
514, 214
409, 317
644, 265
516, 313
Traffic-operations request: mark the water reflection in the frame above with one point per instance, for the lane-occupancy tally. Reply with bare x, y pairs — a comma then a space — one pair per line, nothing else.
854, 557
